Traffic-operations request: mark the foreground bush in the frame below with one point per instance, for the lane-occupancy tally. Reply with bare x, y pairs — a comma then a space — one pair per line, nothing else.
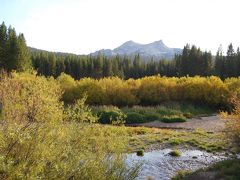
35, 142
232, 122
29, 98
53, 151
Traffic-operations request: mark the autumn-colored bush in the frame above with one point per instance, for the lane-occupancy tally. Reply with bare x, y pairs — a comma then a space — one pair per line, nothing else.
153, 90
26, 97
120, 92
92, 89
79, 112
232, 122
68, 84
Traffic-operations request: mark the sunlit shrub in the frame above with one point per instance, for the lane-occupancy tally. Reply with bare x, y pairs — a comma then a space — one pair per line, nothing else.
232, 122
92, 89
68, 85
79, 112
120, 92
26, 97
153, 90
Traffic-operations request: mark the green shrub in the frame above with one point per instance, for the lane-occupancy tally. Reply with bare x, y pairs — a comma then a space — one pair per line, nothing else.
79, 112
111, 115
173, 119
134, 117
151, 117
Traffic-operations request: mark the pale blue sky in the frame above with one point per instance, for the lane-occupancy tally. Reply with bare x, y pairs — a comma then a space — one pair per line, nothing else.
17, 11
84, 26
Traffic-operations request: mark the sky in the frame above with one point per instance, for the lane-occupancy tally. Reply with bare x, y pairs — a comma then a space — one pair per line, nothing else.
84, 26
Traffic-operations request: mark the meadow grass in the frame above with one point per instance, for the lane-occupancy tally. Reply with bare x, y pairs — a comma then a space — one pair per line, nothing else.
152, 138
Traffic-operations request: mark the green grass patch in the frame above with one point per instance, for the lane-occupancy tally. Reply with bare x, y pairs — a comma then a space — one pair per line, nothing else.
176, 141
140, 152
181, 175
149, 137
227, 169
173, 119
175, 153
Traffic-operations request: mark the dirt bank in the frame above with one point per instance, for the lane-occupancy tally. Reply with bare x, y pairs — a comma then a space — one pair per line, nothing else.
210, 124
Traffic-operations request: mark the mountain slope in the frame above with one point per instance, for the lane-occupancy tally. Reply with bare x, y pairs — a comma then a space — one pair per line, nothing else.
156, 50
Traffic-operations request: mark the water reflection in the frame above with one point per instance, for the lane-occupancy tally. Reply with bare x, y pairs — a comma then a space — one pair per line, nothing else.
160, 165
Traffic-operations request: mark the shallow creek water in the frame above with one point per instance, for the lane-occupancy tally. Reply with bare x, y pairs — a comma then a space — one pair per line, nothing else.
160, 165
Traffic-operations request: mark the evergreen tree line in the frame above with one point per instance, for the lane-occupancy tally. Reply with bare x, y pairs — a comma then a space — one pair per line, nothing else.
52, 64
14, 53
191, 62
229, 65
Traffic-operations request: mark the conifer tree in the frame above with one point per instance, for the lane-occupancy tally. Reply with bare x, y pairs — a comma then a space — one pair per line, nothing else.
23, 60
12, 50
14, 53
3, 45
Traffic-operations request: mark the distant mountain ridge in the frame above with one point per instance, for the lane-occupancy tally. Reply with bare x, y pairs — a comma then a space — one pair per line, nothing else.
155, 50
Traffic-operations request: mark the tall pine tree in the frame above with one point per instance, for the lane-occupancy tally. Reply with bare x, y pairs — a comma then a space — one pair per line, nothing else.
14, 54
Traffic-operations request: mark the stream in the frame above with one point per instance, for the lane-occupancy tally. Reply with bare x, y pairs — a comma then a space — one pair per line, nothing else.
159, 165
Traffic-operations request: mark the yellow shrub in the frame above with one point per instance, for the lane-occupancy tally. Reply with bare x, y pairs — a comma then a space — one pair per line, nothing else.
27, 97
94, 92
152, 90
119, 92
232, 122
68, 85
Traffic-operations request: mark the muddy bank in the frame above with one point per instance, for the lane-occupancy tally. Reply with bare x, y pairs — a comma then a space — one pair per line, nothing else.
209, 124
